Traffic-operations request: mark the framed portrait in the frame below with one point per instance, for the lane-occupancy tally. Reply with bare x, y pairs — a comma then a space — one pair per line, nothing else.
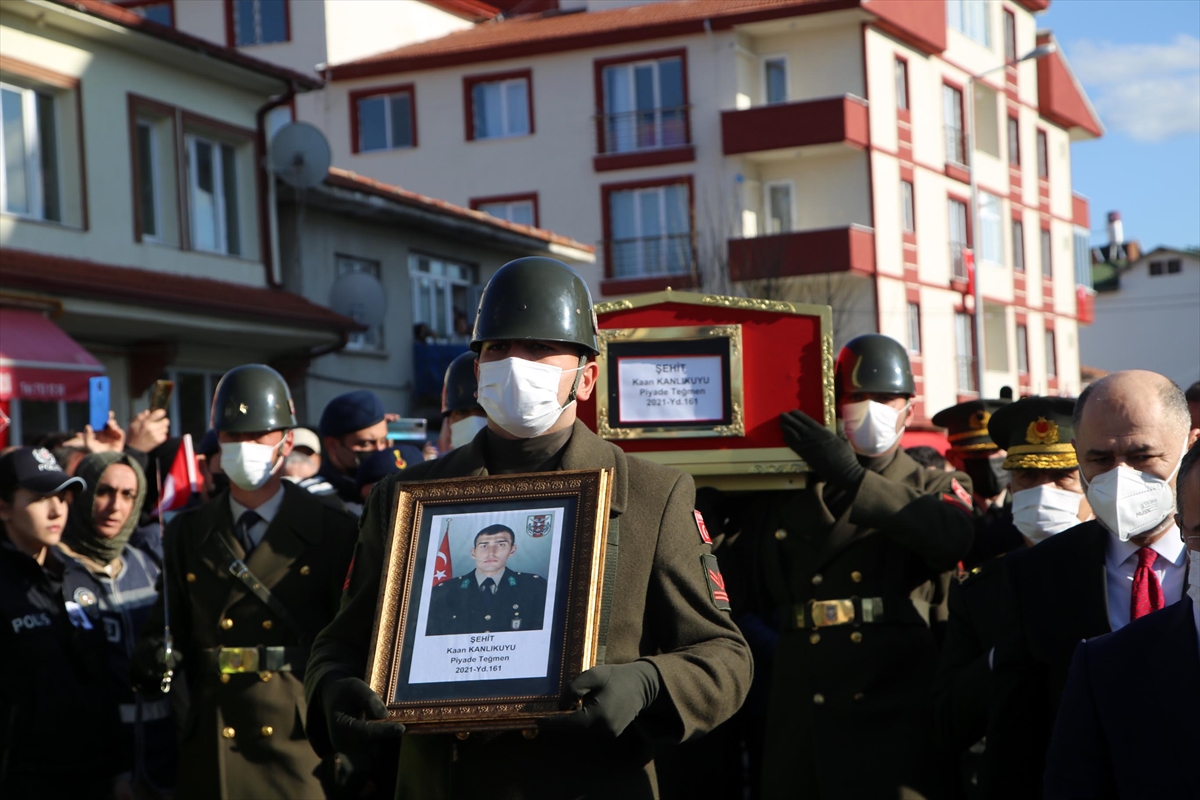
491, 600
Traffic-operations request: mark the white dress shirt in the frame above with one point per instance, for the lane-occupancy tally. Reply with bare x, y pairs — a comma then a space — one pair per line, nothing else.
267, 511
1120, 562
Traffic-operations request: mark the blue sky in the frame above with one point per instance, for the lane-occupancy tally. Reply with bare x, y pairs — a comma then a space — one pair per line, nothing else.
1139, 61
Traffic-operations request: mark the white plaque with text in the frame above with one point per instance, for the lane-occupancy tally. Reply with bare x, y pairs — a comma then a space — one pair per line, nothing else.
670, 389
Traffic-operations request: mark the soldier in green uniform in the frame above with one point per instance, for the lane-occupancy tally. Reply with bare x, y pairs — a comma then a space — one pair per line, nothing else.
251, 576
674, 666
490, 597
1047, 498
849, 565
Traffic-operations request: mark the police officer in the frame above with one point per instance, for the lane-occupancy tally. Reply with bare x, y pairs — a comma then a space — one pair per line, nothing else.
849, 565
464, 416
675, 662
251, 576
1047, 498
490, 597
54, 668
973, 451
352, 427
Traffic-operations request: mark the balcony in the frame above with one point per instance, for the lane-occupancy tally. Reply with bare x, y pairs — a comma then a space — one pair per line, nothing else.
808, 123
785, 255
649, 263
643, 138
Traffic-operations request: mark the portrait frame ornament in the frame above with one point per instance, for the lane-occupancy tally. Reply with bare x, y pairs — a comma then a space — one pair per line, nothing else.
465, 693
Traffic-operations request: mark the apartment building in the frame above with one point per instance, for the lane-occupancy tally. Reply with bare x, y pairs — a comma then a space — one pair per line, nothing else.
815, 150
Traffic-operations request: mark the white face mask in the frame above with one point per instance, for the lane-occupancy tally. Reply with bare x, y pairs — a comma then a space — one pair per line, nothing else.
463, 431
1194, 576
1129, 502
871, 426
249, 465
1042, 511
521, 396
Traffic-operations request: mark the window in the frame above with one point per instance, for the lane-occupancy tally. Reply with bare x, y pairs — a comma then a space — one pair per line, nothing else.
1051, 357
147, 156
191, 401
1174, 266
650, 231
1022, 349
1083, 258
644, 106
212, 180
160, 11
1018, 242
522, 212
914, 328
1010, 36
991, 229
1014, 142
959, 241
1156, 268
907, 207
443, 296
29, 179
956, 150
964, 340
257, 22
901, 84
371, 339
779, 207
500, 107
775, 82
1043, 156
1047, 255
970, 17
384, 119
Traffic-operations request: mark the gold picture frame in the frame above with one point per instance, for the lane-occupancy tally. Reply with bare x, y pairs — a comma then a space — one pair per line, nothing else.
733, 422
450, 653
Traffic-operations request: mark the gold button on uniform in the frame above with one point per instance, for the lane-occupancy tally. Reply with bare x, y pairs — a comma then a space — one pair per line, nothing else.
816, 637
305, 570
856, 576
228, 733
264, 676
191, 577
267, 730
224, 677
816, 579
856, 637
267, 624
226, 624
781, 534
819, 698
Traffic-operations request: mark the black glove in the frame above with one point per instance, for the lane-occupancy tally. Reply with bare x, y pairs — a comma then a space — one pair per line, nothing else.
822, 450
348, 704
613, 696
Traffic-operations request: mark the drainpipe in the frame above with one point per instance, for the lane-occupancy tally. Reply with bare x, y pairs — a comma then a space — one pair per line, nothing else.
266, 187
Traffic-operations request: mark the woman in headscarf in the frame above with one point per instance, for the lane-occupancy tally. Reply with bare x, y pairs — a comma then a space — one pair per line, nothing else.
114, 583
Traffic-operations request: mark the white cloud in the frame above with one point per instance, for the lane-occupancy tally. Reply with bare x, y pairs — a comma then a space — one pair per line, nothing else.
1149, 91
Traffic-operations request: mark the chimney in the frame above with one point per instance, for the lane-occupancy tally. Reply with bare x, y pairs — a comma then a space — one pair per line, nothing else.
1116, 232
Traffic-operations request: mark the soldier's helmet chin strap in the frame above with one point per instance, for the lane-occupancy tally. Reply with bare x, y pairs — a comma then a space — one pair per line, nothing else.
583, 360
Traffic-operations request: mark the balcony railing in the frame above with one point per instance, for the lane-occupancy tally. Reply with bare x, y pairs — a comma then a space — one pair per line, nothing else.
637, 131
650, 256
956, 145
958, 262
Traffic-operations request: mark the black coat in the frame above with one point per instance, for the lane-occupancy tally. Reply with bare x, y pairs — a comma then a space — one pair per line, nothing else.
1109, 742
1056, 594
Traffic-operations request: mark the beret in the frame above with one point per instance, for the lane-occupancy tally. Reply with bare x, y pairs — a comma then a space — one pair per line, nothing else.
351, 412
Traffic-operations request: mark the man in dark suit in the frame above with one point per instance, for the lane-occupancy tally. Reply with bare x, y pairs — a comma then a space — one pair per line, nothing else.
490, 597
1131, 429
1099, 738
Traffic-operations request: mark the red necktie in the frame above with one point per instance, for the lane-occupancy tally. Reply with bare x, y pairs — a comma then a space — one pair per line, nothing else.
1147, 591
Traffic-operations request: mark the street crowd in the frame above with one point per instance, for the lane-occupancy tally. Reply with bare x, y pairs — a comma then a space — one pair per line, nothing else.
1016, 618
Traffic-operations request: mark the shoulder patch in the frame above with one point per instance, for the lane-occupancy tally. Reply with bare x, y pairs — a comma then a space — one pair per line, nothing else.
715, 582
466, 583
700, 526
512, 580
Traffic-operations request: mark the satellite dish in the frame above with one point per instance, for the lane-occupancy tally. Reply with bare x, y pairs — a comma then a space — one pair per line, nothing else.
359, 296
300, 155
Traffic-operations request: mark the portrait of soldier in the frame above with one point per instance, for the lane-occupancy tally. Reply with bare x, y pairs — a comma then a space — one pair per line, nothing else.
491, 597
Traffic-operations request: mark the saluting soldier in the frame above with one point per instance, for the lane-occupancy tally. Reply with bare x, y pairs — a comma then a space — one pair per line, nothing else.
1047, 498
251, 576
490, 597
850, 565
675, 665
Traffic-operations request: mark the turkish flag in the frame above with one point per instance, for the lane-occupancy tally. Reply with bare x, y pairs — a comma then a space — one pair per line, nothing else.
181, 480
442, 569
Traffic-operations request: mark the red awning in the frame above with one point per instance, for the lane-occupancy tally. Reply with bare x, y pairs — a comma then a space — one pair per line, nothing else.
40, 362
934, 439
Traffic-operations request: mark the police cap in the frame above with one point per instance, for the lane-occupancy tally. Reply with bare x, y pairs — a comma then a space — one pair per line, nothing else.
966, 425
1036, 432
351, 412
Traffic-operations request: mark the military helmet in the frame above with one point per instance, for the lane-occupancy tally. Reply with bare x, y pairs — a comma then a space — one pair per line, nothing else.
460, 385
252, 398
536, 298
874, 363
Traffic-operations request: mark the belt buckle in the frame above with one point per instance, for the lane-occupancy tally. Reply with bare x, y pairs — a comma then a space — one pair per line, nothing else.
832, 612
232, 660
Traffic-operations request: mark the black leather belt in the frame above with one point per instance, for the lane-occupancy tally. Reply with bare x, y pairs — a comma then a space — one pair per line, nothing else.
232, 660
897, 610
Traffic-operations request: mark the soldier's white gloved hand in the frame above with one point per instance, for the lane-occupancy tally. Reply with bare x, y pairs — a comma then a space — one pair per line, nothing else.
350, 705
613, 696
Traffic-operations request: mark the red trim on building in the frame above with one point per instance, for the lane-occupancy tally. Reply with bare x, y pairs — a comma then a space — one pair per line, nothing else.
1080, 212
644, 158
469, 83
1033, 6
471, 10
376, 91
799, 124
1060, 98
476, 202
606, 191
850, 249
919, 23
